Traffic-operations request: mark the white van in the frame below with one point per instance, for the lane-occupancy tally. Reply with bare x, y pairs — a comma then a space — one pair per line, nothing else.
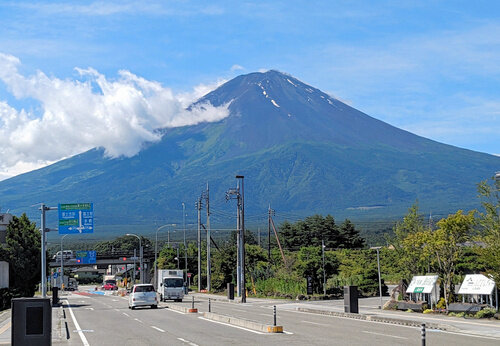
142, 295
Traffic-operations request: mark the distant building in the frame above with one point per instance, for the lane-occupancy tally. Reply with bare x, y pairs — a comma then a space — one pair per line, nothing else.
5, 219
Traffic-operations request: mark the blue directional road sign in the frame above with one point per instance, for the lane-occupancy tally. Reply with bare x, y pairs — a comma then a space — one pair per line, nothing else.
76, 218
86, 257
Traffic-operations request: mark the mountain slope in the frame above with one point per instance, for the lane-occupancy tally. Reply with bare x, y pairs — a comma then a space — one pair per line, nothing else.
299, 149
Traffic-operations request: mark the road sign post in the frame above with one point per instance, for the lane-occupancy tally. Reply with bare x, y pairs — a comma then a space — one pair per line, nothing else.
76, 218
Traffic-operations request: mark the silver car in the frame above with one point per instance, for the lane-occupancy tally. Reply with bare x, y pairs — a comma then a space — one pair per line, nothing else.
142, 295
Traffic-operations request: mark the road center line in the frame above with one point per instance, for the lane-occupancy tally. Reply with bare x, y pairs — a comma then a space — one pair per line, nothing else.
80, 333
158, 329
230, 325
382, 334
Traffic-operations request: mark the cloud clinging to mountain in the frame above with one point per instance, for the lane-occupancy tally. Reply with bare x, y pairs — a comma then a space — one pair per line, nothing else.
74, 115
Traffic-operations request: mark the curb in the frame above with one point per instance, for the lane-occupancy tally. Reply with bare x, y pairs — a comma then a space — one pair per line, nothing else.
381, 319
243, 323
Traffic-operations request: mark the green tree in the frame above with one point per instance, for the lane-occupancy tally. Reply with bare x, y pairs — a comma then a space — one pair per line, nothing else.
446, 243
22, 251
489, 219
408, 244
310, 263
349, 235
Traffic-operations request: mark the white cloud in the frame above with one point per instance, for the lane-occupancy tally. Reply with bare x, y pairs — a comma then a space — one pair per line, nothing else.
76, 115
237, 67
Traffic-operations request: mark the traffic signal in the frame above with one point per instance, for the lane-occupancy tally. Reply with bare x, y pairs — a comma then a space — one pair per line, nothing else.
124, 258
78, 260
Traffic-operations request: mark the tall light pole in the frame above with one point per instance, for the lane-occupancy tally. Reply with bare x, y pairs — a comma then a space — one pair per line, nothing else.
156, 253
379, 278
324, 274
140, 255
62, 262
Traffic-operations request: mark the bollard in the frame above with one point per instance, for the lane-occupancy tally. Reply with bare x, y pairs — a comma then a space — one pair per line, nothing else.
192, 302
423, 334
274, 312
209, 308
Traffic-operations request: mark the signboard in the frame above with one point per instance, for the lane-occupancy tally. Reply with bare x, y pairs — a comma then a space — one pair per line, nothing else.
422, 284
309, 285
76, 218
189, 275
86, 257
476, 284
55, 275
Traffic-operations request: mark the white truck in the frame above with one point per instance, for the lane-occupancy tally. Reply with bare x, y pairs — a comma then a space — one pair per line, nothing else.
171, 284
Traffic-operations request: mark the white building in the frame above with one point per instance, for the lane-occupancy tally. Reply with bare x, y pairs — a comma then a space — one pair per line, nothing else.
5, 219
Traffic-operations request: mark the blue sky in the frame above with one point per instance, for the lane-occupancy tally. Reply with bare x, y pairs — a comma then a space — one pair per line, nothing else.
430, 67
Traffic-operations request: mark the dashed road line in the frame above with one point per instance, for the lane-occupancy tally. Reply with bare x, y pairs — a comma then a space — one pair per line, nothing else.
126, 314
138, 320
187, 342
384, 334
158, 329
318, 324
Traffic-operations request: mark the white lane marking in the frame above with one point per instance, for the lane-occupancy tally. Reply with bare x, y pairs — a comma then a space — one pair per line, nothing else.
267, 315
84, 330
5, 327
289, 333
82, 337
187, 342
383, 334
240, 310
318, 324
230, 325
398, 325
138, 320
179, 312
117, 310
115, 300
126, 314
89, 308
158, 329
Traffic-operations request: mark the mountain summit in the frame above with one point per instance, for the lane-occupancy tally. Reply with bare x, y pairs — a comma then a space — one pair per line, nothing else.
300, 150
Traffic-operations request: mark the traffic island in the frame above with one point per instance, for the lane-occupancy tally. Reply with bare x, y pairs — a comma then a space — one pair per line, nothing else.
240, 322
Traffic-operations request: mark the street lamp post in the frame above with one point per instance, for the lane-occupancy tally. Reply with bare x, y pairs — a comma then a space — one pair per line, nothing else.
324, 274
379, 278
62, 262
156, 252
140, 255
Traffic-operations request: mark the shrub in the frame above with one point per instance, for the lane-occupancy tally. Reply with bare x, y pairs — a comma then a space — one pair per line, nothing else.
409, 310
485, 313
441, 304
428, 311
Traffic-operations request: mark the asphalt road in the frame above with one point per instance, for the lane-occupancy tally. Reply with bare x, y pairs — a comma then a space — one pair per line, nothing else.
106, 319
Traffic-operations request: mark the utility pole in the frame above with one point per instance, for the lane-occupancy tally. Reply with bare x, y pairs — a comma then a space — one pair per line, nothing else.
184, 227
242, 231
269, 211
198, 206
238, 242
240, 236
209, 262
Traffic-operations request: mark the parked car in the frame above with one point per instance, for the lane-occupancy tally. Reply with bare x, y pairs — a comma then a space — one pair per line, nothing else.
142, 295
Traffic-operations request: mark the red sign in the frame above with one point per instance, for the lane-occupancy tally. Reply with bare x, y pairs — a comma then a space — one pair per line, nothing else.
189, 275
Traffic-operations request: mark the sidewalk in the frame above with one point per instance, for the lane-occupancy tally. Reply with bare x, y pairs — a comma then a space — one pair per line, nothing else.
483, 327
